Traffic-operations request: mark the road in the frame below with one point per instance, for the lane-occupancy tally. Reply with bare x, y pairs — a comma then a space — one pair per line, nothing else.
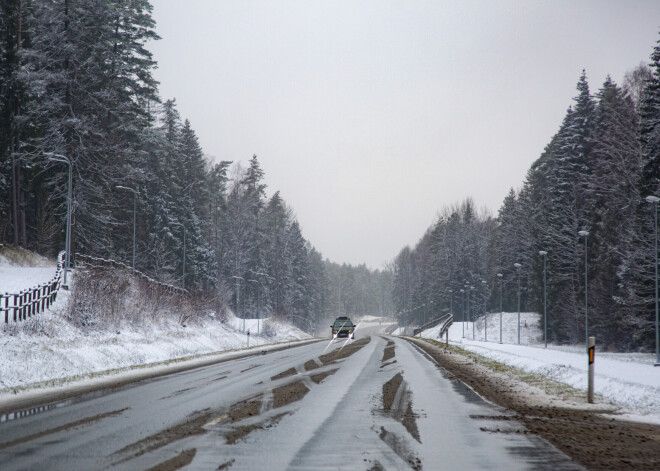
373, 403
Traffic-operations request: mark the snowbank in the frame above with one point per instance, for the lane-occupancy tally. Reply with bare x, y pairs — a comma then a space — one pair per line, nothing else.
49, 347
627, 380
21, 270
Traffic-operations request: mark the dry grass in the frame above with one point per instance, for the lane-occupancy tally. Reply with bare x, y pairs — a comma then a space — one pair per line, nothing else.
107, 297
25, 258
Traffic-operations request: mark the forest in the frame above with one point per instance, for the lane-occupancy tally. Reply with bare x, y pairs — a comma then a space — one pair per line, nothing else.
584, 198
76, 88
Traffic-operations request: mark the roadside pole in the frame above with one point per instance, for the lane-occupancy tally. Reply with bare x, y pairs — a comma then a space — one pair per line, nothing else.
248, 338
592, 354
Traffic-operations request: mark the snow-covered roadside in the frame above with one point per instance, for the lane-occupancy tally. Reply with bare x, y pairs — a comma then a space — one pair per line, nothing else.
54, 349
48, 348
626, 380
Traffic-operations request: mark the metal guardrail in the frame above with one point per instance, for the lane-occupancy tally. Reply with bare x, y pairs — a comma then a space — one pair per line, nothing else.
445, 320
391, 328
88, 260
32, 301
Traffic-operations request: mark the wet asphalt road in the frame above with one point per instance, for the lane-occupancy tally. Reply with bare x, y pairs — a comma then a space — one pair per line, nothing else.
374, 403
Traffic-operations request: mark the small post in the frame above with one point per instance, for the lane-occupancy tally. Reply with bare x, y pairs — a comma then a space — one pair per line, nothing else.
248, 338
447, 337
592, 354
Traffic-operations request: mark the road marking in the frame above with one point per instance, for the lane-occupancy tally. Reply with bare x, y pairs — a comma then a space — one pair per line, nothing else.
215, 421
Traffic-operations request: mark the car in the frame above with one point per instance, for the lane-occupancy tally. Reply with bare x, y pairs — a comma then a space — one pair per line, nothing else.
343, 327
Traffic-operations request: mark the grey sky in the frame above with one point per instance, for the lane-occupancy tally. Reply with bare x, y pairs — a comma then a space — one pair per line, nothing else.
369, 117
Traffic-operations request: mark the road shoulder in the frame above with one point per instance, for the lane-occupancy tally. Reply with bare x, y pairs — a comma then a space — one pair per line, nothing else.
553, 411
38, 394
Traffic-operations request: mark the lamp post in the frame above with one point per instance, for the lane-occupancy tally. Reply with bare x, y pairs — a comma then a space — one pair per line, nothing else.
67, 244
463, 309
483, 282
134, 213
451, 303
261, 286
238, 296
654, 200
518, 265
500, 276
471, 314
543, 253
258, 292
585, 234
467, 302
183, 281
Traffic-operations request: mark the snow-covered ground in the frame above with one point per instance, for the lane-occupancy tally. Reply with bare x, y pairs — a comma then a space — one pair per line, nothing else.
47, 347
29, 271
627, 380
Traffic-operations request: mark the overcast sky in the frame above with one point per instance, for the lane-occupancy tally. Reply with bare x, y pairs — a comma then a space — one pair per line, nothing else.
371, 116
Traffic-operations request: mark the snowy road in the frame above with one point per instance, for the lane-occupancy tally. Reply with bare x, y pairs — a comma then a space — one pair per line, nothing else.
378, 403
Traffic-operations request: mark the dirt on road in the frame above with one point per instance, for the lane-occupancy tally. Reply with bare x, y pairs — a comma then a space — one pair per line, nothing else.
586, 434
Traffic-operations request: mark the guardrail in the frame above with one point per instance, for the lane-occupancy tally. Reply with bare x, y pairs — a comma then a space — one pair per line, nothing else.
31, 301
107, 263
445, 320
391, 328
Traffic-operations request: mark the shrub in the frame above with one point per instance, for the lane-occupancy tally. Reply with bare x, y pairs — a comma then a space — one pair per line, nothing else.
268, 329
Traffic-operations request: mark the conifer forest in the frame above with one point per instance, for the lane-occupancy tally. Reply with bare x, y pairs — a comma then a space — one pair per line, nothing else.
77, 93
594, 175
76, 84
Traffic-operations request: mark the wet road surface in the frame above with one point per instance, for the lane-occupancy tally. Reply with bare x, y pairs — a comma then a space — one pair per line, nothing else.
374, 403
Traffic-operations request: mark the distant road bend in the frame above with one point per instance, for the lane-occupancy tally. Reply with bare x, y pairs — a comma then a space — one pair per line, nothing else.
373, 403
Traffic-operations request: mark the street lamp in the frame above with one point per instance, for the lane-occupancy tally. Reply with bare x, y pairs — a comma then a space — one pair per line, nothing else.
483, 282
451, 303
585, 234
183, 282
258, 292
238, 295
261, 286
134, 212
654, 200
518, 265
67, 249
463, 309
471, 314
500, 276
543, 253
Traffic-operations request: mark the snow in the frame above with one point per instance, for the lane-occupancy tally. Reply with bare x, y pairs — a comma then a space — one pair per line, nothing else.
628, 380
49, 348
14, 278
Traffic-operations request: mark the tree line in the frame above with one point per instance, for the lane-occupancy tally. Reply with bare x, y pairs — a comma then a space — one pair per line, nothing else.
76, 83
594, 175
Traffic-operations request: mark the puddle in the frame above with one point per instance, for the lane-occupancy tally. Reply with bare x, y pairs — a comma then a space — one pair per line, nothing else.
401, 448
77, 423
179, 461
317, 378
289, 393
284, 374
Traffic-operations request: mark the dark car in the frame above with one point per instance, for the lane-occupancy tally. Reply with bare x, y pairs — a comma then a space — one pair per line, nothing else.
343, 327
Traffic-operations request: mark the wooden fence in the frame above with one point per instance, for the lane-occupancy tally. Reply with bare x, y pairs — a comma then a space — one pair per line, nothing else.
26, 303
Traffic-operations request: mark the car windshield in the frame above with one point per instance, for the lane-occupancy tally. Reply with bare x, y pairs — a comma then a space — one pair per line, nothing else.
345, 323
